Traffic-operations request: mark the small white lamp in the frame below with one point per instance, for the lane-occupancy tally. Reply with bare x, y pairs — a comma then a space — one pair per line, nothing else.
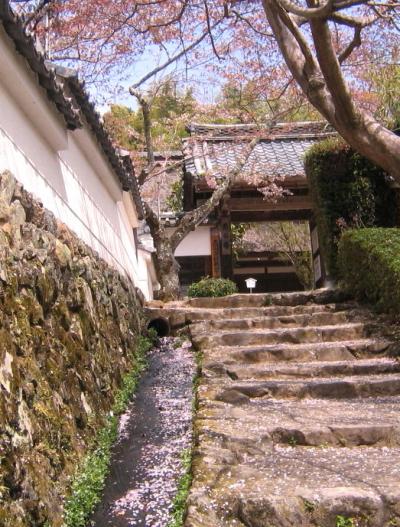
251, 283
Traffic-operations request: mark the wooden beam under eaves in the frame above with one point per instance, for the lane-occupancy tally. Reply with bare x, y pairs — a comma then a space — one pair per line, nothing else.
287, 203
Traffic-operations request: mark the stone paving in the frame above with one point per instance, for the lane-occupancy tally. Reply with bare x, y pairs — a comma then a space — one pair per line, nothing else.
298, 421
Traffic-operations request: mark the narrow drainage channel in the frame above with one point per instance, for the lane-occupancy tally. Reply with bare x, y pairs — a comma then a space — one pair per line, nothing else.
153, 433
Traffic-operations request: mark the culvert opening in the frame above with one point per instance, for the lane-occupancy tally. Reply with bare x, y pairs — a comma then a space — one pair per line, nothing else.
161, 325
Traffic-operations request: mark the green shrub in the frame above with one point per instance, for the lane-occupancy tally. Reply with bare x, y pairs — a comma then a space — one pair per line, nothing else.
212, 287
348, 191
369, 264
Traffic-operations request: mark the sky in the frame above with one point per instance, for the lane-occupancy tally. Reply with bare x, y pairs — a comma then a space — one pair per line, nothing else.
206, 85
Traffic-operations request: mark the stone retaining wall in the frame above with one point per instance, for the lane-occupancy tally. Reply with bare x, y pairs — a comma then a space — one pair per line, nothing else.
68, 326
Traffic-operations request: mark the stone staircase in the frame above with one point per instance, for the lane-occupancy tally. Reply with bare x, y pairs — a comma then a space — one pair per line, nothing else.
299, 414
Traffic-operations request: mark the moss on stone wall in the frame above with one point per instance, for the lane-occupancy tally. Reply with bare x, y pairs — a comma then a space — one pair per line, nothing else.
68, 331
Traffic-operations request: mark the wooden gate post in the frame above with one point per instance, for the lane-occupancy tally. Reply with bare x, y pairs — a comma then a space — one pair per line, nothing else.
226, 239
318, 263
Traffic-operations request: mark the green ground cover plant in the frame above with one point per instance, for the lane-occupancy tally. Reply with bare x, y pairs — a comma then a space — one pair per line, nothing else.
185, 481
179, 506
90, 477
343, 521
212, 287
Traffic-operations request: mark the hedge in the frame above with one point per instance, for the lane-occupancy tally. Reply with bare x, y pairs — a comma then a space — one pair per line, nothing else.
369, 264
212, 287
347, 191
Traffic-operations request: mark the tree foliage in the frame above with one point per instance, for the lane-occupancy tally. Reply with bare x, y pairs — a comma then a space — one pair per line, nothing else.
324, 46
249, 102
170, 111
385, 81
123, 124
317, 50
174, 200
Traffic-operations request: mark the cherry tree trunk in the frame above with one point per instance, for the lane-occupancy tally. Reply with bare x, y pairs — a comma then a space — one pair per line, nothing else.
321, 78
167, 268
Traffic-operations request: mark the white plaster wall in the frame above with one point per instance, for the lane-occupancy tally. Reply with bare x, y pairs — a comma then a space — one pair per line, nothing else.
147, 278
66, 171
77, 159
81, 215
19, 80
196, 243
13, 158
128, 243
17, 125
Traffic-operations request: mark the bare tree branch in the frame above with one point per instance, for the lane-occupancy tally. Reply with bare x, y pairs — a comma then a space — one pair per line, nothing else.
151, 217
146, 108
173, 59
166, 169
190, 220
195, 217
312, 12
332, 73
239, 16
210, 30
37, 13
355, 43
353, 21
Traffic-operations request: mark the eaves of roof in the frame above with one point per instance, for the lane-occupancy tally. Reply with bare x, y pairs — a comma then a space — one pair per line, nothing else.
48, 77
25, 46
274, 130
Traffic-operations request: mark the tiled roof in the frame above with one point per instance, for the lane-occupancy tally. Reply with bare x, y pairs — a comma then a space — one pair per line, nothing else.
280, 151
293, 129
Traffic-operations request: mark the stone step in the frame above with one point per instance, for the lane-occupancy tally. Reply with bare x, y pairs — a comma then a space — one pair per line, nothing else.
309, 422
317, 296
181, 314
298, 421
318, 318
295, 335
318, 436
284, 487
319, 351
304, 369
357, 386
195, 315
339, 435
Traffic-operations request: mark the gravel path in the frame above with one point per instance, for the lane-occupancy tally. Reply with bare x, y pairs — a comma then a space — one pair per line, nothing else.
146, 462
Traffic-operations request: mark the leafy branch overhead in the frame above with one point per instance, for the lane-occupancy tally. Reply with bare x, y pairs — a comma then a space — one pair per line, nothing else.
325, 47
